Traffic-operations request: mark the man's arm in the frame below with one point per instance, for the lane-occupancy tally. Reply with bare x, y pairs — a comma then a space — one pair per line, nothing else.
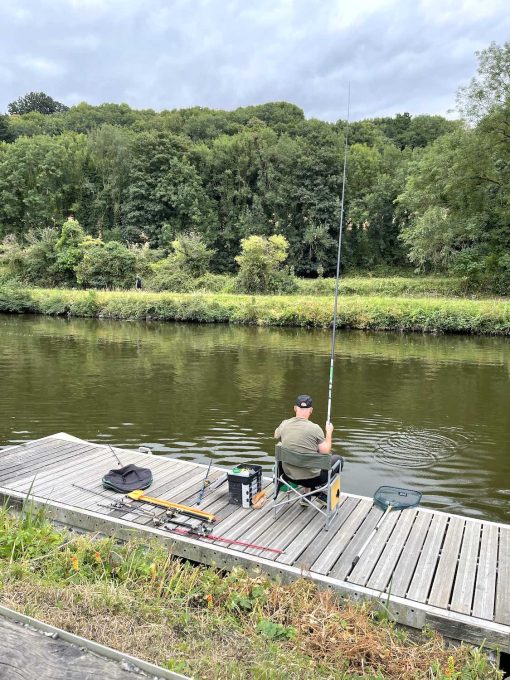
326, 445
278, 431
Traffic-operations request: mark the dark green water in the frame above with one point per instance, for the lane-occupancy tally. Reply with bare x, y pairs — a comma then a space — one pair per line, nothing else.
424, 412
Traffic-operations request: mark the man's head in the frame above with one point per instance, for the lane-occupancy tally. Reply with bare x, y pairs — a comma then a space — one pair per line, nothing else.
303, 406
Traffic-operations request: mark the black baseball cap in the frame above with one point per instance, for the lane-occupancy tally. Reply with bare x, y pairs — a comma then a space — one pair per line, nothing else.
304, 401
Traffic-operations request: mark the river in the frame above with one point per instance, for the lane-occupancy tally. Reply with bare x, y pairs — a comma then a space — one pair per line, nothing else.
423, 412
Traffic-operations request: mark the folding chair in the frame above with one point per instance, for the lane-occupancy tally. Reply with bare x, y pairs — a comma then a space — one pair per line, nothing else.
307, 460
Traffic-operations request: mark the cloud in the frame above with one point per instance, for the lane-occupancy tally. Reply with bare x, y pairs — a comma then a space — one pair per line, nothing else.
399, 56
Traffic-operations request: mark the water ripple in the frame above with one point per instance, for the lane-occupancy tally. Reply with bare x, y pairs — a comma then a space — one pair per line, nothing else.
415, 448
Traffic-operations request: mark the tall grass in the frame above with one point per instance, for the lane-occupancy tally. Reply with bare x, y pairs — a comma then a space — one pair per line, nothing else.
207, 623
435, 315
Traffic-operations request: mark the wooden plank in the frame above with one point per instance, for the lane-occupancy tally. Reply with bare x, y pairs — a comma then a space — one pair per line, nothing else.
343, 565
442, 585
368, 561
392, 551
503, 585
279, 533
27, 468
312, 532
249, 527
485, 588
23, 452
316, 548
331, 547
424, 572
462, 598
55, 476
403, 572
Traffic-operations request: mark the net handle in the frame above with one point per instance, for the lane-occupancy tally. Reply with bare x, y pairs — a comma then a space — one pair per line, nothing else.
389, 508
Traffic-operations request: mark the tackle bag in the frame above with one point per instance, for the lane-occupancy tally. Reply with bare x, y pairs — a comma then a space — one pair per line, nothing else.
127, 478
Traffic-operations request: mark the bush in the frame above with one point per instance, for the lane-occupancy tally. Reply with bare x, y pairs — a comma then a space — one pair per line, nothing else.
69, 252
110, 265
191, 254
174, 280
34, 263
260, 266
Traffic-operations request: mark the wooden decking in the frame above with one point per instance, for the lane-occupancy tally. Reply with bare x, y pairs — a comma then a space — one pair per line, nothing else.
448, 571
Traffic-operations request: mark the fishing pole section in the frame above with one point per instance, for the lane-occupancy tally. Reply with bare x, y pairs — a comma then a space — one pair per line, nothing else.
338, 261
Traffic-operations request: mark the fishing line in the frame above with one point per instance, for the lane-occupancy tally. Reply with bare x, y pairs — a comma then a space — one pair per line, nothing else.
335, 310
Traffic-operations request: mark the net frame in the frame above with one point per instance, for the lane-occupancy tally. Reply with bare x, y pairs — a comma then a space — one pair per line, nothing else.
397, 498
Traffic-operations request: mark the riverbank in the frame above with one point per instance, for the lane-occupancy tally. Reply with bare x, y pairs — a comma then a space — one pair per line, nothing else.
370, 312
208, 624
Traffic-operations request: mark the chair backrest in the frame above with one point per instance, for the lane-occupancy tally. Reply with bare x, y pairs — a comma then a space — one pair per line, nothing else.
304, 460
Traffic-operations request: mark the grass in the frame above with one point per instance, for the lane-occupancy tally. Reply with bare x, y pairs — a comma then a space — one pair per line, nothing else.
443, 315
208, 624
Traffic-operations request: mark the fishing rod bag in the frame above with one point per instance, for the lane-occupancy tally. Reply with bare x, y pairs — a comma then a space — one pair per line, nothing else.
127, 478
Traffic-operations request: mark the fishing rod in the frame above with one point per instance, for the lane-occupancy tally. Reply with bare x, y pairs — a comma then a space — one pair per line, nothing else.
335, 310
223, 539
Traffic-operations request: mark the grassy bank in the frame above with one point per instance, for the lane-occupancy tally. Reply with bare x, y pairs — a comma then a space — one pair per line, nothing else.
208, 624
355, 311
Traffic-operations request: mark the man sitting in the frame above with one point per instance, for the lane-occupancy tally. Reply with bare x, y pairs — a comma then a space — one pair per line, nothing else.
300, 435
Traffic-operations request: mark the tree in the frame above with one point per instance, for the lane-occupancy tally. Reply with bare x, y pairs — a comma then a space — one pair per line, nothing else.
260, 265
6, 134
41, 180
108, 265
69, 251
36, 101
491, 87
110, 155
191, 254
456, 196
165, 196
34, 262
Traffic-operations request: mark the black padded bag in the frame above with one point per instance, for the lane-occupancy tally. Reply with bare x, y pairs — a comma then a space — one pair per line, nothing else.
127, 478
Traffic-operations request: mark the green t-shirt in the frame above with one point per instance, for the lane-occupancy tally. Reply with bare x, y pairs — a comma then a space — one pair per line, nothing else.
302, 436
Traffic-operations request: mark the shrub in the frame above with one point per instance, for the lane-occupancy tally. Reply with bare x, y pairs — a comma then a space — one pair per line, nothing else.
34, 263
174, 280
110, 265
260, 265
191, 254
69, 252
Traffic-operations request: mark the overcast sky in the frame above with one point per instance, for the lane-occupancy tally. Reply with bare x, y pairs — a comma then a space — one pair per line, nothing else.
400, 55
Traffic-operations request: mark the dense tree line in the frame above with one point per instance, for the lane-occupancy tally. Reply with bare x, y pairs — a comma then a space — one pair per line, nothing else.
422, 190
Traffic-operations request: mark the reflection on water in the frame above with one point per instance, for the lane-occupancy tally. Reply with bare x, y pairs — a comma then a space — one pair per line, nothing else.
416, 411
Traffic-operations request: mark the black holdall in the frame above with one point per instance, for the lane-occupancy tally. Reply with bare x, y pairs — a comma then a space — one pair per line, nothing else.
127, 478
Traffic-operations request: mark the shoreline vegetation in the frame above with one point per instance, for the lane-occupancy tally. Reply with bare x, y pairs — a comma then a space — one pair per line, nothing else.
387, 304
209, 624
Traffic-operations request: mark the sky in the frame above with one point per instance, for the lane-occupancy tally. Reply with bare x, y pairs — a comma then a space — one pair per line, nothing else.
398, 55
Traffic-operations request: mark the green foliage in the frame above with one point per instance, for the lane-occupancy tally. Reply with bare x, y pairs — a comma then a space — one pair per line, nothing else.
370, 312
260, 265
191, 254
35, 262
6, 134
420, 189
490, 89
69, 252
275, 631
36, 101
41, 181
109, 265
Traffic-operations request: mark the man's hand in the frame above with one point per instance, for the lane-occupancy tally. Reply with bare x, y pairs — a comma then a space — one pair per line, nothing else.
325, 446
